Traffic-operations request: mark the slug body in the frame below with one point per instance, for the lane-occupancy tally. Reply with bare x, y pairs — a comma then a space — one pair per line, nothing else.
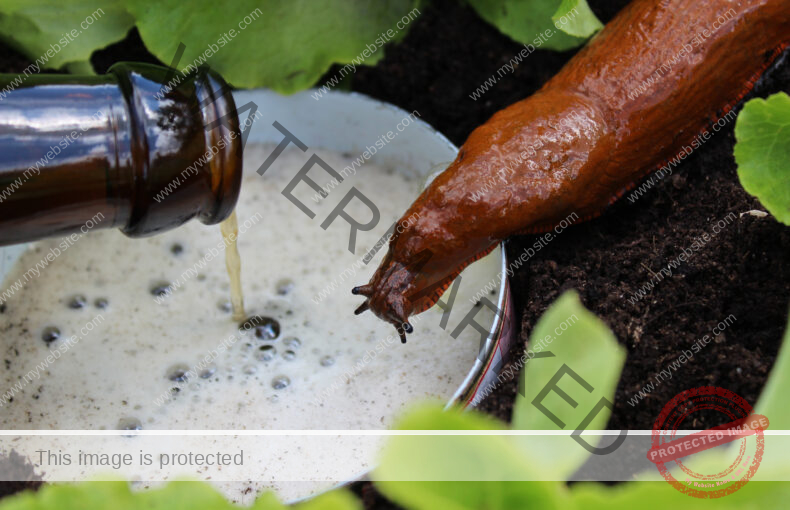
643, 88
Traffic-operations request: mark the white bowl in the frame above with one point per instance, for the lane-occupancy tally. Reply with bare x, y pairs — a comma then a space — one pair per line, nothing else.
350, 122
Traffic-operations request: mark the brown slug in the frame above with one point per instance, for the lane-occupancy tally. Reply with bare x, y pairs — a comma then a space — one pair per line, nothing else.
645, 86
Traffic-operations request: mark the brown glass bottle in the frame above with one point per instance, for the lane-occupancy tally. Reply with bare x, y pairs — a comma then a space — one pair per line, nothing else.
120, 150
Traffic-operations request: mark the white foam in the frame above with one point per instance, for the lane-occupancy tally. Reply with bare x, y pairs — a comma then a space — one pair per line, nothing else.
118, 369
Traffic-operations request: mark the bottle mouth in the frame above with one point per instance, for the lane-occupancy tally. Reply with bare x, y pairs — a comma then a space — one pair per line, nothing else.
223, 139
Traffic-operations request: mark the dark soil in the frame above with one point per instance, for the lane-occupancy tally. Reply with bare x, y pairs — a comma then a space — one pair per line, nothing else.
23, 475
744, 271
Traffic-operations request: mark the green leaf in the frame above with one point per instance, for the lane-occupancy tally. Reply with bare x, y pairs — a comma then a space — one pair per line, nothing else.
762, 151
83, 67
460, 472
662, 496
185, 495
574, 17
773, 405
339, 499
267, 501
580, 344
431, 416
118, 496
182, 496
538, 22
287, 44
53, 35
773, 399
476, 495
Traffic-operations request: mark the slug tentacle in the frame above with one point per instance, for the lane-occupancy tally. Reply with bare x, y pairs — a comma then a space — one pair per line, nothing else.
363, 290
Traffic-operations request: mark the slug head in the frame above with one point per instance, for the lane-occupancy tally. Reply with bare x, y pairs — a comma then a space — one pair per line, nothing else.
393, 293
386, 301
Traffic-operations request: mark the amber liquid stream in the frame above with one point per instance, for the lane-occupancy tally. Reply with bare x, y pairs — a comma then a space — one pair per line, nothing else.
230, 234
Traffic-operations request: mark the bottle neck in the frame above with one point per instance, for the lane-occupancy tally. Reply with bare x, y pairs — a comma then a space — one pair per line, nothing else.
118, 150
185, 155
